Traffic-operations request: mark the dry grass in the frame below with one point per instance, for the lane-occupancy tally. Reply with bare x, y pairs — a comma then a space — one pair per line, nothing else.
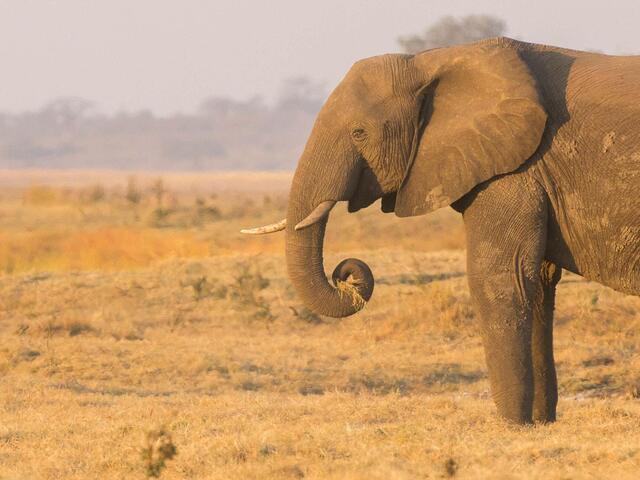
102, 248
214, 345
113, 226
350, 291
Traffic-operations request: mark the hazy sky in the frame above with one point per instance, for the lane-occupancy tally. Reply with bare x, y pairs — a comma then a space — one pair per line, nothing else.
167, 55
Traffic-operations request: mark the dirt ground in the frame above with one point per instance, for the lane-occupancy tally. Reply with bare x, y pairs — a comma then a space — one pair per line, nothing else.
134, 322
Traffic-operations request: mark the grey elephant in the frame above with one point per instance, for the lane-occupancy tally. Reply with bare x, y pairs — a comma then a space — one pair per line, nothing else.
538, 147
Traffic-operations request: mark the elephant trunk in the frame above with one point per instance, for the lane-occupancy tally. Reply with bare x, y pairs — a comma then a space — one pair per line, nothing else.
352, 279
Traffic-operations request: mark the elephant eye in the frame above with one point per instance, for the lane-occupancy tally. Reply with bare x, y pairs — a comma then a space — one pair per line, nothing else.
359, 134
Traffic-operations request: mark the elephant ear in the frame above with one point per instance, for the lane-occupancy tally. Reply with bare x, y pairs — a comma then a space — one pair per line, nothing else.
482, 117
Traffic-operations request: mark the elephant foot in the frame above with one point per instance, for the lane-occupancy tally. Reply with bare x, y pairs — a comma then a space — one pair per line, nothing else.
517, 418
515, 409
544, 413
524, 413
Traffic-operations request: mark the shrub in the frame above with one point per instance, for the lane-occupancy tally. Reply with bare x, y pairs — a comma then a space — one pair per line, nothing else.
158, 449
244, 291
94, 194
132, 194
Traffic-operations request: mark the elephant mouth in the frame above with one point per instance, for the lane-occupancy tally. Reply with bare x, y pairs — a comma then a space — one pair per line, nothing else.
368, 190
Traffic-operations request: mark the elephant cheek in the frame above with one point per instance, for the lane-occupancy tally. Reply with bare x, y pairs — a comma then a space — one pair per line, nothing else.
367, 191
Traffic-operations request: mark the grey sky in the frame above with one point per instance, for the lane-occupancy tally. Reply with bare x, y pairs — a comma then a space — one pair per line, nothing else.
167, 55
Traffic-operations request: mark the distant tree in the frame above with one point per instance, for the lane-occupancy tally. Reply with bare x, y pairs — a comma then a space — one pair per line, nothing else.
301, 93
67, 110
454, 31
224, 107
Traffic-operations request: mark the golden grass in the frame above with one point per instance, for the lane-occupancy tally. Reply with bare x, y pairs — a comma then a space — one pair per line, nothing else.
41, 195
64, 228
103, 248
350, 290
177, 181
105, 368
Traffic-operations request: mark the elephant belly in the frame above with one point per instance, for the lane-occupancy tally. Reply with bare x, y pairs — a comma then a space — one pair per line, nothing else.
591, 174
595, 229
619, 255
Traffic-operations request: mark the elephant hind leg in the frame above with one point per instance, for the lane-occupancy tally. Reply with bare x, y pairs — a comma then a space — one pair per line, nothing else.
545, 396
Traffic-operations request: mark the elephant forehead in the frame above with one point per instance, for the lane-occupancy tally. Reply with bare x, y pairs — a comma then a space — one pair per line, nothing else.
377, 75
356, 110
393, 112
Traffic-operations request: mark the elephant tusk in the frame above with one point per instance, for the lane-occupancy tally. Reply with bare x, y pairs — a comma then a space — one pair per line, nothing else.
274, 227
320, 212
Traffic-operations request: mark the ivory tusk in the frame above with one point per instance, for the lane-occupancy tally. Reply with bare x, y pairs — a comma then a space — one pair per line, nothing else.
274, 227
320, 212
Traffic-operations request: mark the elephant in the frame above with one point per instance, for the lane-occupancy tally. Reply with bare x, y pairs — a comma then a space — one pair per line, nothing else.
538, 147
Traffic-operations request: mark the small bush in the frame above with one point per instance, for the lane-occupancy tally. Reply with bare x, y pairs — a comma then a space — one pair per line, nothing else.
205, 213
203, 287
158, 217
132, 193
244, 291
451, 467
306, 315
94, 194
159, 190
158, 449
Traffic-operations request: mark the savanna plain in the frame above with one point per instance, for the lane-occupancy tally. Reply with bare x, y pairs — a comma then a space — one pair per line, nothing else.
142, 336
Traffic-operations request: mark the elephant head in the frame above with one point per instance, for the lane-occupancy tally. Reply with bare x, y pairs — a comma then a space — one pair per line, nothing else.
419, 132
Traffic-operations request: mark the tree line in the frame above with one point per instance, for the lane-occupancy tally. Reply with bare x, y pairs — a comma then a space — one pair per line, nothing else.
223, 134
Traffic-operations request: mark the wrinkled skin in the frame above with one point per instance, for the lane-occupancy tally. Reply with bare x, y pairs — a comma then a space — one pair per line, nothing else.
538, 147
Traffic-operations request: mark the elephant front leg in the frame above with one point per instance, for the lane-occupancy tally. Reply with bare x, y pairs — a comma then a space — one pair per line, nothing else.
506, 225
506, 326
545, 384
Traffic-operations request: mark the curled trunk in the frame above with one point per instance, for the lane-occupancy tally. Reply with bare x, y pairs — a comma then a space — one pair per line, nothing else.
328, 172
353, 280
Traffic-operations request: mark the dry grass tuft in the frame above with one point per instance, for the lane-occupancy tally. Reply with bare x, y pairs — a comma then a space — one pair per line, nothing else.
158, 449
349, 289
450, 467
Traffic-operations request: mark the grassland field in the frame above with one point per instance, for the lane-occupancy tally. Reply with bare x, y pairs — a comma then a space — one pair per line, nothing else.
141, 335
